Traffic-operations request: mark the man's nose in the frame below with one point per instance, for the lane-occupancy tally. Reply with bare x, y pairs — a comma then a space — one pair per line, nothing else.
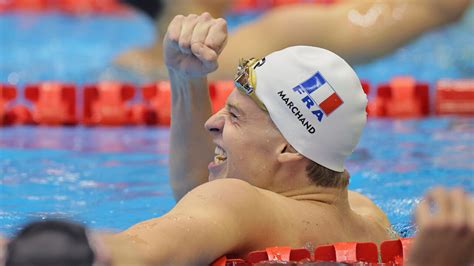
215, 123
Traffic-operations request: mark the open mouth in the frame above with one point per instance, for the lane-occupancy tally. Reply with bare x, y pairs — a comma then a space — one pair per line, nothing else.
220, 156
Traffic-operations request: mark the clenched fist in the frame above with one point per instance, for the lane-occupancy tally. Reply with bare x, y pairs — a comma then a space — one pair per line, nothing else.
193, 43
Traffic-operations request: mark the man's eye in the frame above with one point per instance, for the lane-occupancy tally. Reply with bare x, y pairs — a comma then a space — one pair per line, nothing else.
233, 115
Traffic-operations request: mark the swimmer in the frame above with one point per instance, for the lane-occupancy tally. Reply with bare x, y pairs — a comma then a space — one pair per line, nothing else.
274, 155
365, 30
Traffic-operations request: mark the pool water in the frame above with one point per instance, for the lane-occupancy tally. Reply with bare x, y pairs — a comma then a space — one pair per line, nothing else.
111, 178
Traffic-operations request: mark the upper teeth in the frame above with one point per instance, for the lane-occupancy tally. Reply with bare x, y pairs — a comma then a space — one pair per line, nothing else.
220, 153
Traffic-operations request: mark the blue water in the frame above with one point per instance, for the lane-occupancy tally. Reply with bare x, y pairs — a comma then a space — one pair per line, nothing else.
110, 178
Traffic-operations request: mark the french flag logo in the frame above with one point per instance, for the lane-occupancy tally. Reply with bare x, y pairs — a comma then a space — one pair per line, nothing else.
322, 93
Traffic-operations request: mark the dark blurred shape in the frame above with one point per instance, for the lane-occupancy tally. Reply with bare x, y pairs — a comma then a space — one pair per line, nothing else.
51, 243
152, 8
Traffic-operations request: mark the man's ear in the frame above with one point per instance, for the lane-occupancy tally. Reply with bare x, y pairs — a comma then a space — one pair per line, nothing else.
288, 154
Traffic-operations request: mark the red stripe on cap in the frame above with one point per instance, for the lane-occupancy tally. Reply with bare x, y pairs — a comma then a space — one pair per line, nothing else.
330, 104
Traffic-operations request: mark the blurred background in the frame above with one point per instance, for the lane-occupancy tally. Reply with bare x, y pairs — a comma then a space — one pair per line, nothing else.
79, 44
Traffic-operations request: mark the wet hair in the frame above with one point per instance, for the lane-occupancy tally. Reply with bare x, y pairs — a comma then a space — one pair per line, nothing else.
318, 174
50, 243
325, 177
151, 8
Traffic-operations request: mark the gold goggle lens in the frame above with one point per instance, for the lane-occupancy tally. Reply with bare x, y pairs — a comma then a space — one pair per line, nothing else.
245, 80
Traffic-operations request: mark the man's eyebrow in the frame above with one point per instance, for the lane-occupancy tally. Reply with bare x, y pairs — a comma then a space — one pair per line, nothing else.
233, 106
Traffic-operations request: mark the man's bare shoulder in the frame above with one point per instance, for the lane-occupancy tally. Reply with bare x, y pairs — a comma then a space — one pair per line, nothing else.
226, 188
362, 205
237, 192
233, 195
234, 203
238, 198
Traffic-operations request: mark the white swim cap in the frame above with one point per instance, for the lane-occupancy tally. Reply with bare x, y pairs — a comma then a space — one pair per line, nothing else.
315, 99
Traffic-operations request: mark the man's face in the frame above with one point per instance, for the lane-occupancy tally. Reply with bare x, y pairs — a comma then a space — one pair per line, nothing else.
247, 142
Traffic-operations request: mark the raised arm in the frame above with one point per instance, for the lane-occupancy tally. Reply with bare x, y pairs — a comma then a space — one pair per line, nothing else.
191, 47
357, 30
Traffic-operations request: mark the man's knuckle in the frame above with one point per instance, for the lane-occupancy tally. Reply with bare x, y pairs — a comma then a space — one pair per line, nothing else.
176, 21
221, 22
179, 17
206, 16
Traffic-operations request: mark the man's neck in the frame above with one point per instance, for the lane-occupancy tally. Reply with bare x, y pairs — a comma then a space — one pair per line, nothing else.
323, 195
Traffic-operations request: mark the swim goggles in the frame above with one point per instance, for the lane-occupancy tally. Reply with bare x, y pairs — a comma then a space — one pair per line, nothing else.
245, 80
